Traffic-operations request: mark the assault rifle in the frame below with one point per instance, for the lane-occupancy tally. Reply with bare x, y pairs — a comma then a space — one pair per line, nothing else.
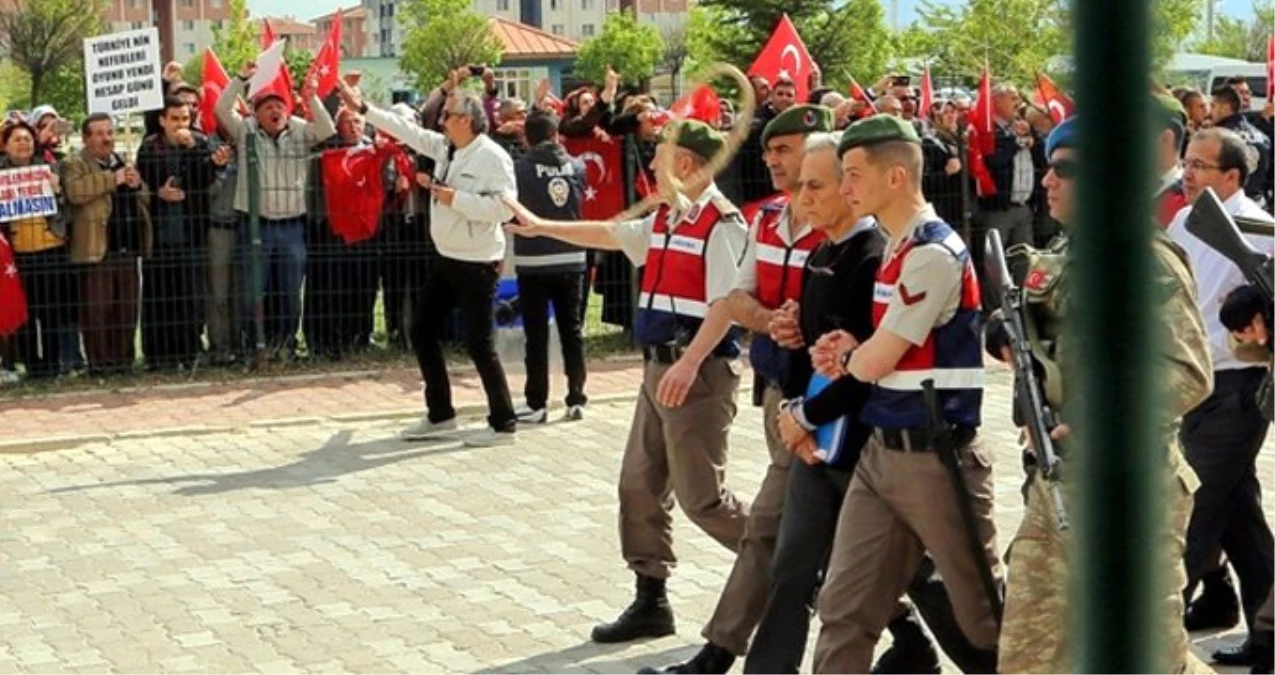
1211, 224
1031, 409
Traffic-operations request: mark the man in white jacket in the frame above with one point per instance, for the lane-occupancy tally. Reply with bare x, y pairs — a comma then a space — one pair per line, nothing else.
472, 176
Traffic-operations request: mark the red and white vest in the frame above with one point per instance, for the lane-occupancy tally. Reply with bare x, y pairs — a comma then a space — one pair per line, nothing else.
779, 264
951, 355
673, 299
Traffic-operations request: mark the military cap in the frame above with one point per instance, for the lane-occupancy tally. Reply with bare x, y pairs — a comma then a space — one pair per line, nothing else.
1063, 136
877, 129
799, 119
1171, 115
697, 137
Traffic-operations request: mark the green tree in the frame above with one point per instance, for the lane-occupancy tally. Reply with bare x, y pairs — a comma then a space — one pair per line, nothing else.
237, 42
842, 37
1239, 39
63, 89
440, 36
45, 40
298, 61
631, 49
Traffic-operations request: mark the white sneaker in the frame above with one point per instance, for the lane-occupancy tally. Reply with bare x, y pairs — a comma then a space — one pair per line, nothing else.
487, 438
575, 413
425, 430
529, 416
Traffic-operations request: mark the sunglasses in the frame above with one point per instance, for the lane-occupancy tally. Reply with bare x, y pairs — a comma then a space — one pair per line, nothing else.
1065, 168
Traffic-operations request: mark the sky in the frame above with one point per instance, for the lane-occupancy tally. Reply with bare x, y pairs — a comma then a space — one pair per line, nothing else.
907, 8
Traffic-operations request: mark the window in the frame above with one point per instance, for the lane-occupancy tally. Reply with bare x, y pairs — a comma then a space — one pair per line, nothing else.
187, 3
137, 4
219, 24
516, 83
588, 5
188, 25
215, 4
557, 29
586, 30
189, 48
138, 25
555, 5
502, 5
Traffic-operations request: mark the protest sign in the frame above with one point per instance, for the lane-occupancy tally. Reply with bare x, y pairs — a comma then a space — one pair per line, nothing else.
122, 72
27, 192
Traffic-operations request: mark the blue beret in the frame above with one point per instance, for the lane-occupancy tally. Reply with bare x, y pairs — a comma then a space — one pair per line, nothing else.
1063, 136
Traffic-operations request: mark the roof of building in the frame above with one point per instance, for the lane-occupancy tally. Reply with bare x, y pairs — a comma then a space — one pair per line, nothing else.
288, 25
355, 12
528, 42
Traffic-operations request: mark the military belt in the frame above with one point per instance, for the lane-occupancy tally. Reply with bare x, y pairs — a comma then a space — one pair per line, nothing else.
919, 440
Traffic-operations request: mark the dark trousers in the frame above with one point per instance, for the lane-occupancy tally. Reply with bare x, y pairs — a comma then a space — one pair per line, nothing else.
811, 507
471, 286
52, 298
340, 293
404, 255
1222, 438
535, 293
110, 289
283, 255
173, 305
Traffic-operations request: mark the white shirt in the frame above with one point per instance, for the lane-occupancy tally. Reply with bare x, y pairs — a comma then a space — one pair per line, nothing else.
721, 254
472, 228
1215, 276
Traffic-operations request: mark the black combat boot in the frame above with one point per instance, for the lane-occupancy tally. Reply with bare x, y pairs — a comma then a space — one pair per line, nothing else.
1262, 643
710, 659
1218, 607
911, 651
650, 615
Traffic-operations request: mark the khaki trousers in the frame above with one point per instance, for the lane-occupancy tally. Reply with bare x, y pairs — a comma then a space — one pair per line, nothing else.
743, 600
679, 453
899, 505
1034, 636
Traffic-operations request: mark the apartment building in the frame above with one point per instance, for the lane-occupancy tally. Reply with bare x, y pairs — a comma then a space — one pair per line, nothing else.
354, 30
576, 20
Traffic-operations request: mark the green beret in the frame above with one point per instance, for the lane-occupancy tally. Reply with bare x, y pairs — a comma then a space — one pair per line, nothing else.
877, 129
799, 119
1169, 108
697, 137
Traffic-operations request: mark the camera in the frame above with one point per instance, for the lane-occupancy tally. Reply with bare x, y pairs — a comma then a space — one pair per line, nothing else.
902, 80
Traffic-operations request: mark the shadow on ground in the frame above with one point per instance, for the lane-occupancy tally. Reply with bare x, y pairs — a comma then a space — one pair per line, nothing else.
326, 464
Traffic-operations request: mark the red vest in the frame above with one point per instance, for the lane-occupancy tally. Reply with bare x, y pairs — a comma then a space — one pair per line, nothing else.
779, 265
675, 277
1169, 202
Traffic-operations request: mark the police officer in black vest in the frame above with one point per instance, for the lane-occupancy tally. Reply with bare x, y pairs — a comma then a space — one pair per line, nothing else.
551, 184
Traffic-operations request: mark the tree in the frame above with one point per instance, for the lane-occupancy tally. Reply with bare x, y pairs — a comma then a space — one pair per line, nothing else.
45, 39
440, 36
842, 37
632, 50
298, 62
1238, 39
238, 41
675, 54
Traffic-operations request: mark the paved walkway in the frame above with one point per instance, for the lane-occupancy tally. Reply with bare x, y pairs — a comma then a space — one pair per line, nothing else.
331, 546
68, 419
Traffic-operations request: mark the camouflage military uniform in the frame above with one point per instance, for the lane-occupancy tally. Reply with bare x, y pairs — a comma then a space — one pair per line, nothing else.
1033, 634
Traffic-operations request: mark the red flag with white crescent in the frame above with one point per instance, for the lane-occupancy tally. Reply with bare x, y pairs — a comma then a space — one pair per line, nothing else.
326, 67
13, 300
702, 104
858, 94
927, 94
1058, 104
983, 116
785, 56
354, 190
604, 175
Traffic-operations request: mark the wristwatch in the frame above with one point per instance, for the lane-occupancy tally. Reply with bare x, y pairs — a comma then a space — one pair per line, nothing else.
845, 361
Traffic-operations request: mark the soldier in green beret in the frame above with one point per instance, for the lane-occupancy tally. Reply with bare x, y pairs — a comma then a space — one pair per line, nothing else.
902, 501
677, 442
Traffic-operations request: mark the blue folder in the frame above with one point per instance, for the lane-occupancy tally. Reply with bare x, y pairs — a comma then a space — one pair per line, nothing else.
828, 436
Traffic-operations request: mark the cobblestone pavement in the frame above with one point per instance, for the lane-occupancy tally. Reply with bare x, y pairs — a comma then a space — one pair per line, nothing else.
330, 546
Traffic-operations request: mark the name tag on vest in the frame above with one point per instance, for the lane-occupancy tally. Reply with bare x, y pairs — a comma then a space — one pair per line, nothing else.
882, 293
686, 244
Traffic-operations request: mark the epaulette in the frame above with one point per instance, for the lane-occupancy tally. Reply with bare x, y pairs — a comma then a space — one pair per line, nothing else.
728, 209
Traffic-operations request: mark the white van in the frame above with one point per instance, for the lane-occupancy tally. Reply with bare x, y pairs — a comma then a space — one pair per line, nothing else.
1210, 72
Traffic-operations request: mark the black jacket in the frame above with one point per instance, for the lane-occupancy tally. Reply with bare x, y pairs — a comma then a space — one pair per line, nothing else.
840, 301
551, 184
942, 190
1261, 180
1000, 165
183, 223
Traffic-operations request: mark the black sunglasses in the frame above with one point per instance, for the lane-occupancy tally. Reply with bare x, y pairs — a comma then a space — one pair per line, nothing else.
1065, 168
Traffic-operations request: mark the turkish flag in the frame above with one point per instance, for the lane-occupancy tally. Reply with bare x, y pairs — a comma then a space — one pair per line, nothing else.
604, 172
983, 117
354, 191
983, 183
785, 56
326, 67
858, 94
215, 81
701, 104
13, 301
927, 94
271, 62
1055, 101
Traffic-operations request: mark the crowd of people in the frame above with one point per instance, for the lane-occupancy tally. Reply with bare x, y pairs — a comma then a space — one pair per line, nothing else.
851, 274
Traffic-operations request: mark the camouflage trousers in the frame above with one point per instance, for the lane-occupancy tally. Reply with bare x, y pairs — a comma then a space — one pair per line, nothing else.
1033, 633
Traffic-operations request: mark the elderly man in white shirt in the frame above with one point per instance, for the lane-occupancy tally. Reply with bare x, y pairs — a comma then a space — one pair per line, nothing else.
473, 175
1223, 435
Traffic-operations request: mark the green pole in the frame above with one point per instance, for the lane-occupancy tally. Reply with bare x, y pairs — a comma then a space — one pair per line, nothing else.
254, 231
1117, 462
